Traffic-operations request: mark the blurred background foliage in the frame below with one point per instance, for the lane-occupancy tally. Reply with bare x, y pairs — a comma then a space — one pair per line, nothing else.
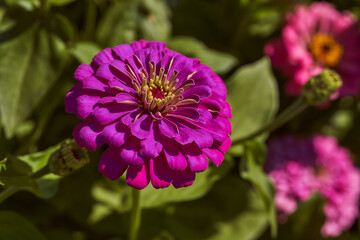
41, 44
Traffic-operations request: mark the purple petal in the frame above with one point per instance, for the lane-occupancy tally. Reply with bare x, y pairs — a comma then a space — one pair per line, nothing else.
214, 155
158, 46
186, 113
183, 178
107, 113
205, 115
226, 111
105, 56
224, 146
193, 133
104, 72
143, 55
80, 102
125, 98
139, 44
183, 65
88, 135
130, 152
219, 128
213, 104
137, 177
123, 51
175, 158
151, 146
115, 134
203, 78
196, 159
83, 71
121, 86
129, 118
160, 173
168, 128
118, 69
93, 83
202, 91
110, 164
142, 126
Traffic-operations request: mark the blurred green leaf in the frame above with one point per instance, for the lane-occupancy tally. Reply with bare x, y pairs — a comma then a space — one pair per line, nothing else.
266, 21
85, 51
59, 3
28, 68
253, 96
116, 195
231, 210
251, 170
28, 5
306, 221
20, 169
65, 26
219, 62
3, 164
16, 227
134, 19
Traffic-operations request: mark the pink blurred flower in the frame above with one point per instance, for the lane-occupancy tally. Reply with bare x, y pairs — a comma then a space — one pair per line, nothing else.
299, 167
161, 113
314, 38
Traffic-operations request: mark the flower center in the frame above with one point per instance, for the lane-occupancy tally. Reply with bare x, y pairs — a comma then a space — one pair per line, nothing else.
321, 172
159, 91
326, 50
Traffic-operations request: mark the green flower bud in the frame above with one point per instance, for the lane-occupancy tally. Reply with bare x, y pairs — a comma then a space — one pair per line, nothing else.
68, 159
319, 89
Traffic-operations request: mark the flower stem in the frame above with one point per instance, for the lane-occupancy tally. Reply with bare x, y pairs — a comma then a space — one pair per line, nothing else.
135, 214
11, 190
90, 20
289, 113
41, 172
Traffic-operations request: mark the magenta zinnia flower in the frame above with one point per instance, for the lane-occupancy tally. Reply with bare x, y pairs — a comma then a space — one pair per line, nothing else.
314, 38
299, 167
161, 113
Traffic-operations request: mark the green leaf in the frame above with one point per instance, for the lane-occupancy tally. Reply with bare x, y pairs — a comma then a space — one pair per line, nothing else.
20, 169
85, 51
135, 19
117, 196
219, 62
306, 221
231, 210
59, 3
251, 170
25, 183
3, 164
248, 225
28, 5
253, 96
28, 68
16, 227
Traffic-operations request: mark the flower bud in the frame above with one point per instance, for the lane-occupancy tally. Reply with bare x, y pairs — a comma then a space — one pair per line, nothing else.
320, 88
69, 158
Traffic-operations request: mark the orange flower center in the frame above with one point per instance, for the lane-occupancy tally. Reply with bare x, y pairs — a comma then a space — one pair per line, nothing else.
326, 50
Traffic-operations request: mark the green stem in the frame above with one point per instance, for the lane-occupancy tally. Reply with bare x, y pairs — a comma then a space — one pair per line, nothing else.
11, 190
41, 172
292, 111
8, 192
90, 20
135, 214
44, 7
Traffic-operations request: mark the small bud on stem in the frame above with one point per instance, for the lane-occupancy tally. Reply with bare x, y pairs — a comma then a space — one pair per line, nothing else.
69, 158
320, 88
